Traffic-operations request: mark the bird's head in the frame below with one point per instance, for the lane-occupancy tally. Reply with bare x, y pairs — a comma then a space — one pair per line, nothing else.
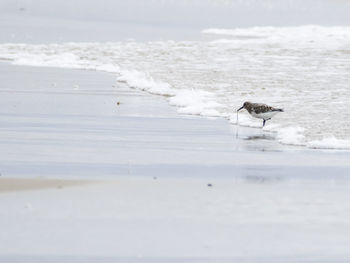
245, 105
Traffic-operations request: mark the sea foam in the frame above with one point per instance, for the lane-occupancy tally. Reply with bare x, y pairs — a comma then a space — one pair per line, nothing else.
301, 69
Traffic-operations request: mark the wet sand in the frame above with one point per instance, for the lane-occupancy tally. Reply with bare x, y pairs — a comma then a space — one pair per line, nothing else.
22, 184
166, 187
163, 187
61, 122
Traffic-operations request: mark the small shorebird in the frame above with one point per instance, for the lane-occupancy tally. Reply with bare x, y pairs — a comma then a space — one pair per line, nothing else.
259, 110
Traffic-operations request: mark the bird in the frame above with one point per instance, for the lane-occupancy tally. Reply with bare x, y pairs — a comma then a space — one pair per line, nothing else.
260, 110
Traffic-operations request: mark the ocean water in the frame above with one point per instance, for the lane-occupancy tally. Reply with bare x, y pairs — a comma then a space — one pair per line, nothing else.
302, 69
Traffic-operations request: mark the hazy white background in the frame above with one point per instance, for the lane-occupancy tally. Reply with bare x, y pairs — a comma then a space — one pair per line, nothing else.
37, 21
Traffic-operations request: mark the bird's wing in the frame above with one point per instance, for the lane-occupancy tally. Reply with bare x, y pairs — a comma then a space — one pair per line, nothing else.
261, 108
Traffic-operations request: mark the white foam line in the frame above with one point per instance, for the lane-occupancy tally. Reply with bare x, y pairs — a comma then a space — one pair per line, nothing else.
188, 101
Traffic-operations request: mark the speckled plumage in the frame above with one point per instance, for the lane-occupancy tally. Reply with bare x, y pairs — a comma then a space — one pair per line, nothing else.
260, 110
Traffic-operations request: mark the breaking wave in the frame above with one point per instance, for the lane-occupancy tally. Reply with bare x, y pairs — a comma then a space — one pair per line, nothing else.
304, 70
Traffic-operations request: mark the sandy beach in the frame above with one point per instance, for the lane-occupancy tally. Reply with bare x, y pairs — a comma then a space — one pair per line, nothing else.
141, 219
21, 184
137, 182
94, 167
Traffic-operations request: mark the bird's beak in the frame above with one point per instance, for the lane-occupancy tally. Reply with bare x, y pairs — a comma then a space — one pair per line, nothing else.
240, 108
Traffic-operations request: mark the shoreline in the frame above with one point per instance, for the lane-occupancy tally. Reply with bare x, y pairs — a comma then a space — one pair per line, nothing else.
101, 161
291, 135
142, 130
130, 178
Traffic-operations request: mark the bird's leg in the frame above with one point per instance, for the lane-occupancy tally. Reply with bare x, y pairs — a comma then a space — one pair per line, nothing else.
264, 122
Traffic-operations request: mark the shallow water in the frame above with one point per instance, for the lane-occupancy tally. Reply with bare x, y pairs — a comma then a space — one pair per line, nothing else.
303, 69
